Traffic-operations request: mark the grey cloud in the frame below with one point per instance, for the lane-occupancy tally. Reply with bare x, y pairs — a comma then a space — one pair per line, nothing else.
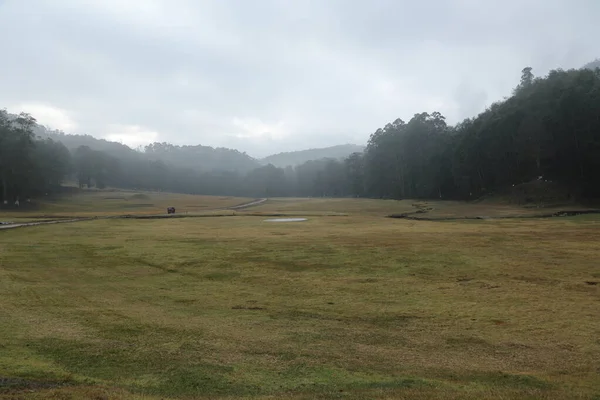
308, 72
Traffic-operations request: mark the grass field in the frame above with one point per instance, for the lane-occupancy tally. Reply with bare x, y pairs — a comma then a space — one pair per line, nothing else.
107, 203
304, 206
349, 307
369, 207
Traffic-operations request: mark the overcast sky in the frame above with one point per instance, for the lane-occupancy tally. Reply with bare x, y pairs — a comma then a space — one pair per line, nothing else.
265, 76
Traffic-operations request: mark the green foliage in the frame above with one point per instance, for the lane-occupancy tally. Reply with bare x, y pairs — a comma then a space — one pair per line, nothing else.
549, 128
593, 65
201, 158
96, 166
405, 160
28, 167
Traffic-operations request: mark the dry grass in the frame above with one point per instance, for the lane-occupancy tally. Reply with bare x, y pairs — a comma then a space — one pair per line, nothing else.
334, 307
106, 203
371, 207
293, 206
441, 209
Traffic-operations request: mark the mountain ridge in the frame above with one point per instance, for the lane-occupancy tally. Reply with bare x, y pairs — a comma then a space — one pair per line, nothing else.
293, 158
592, 64
197, 157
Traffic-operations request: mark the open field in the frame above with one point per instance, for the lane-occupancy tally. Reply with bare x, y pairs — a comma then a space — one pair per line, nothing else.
303, 206
106, 203
435, 209
348, 307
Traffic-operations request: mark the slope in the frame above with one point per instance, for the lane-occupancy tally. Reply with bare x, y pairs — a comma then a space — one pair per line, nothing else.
294, 158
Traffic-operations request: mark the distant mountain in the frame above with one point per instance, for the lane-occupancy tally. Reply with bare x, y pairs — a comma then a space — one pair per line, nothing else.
198, 158
593, 65
294, 158
202, 157
72, 142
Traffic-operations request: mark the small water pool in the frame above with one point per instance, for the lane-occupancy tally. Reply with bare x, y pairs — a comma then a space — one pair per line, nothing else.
285, 220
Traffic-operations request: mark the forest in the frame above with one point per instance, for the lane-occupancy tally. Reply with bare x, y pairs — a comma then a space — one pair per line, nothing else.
549, 128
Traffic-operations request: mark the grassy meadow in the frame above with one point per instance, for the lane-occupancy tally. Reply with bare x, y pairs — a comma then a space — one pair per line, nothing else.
353, 306
377, 208
92, 203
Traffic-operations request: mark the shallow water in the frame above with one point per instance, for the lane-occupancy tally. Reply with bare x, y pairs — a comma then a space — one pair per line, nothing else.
285, 220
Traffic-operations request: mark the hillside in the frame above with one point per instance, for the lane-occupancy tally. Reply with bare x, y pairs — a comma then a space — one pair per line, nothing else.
72, 142
294, 158
593, 64
198, 158
201, 158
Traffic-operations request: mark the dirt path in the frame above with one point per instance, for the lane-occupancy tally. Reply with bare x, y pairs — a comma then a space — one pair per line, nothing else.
246, 205
61, 221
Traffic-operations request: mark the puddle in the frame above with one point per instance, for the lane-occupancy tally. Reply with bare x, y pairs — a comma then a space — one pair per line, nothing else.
285, 220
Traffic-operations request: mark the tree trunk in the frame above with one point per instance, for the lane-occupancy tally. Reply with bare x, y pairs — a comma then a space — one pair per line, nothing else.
579, 156
4, 187
480, 174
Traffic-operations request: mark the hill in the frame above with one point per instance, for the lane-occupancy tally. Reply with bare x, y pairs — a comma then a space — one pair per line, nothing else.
72, 142
198, 158
294, 158
201, 158
593, 64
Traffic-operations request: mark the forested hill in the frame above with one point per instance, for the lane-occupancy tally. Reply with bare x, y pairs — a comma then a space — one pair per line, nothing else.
199, 158
547, 132
593, 65
72, 142
294, 158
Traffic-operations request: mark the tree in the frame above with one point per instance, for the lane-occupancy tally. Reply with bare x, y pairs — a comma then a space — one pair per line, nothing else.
16, 143
53, 163
83, 158
354, 166
526, 77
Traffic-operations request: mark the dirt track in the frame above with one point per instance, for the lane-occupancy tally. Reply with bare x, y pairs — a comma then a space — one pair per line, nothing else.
246, 205
26, 224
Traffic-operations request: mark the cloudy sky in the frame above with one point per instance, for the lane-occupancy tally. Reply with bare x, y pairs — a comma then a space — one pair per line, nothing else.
265, 76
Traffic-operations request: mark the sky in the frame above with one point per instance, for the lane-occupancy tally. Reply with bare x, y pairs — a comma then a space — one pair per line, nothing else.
265, 76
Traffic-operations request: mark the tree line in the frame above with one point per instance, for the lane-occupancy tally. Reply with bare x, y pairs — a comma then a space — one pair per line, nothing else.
549, 127
28, 167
